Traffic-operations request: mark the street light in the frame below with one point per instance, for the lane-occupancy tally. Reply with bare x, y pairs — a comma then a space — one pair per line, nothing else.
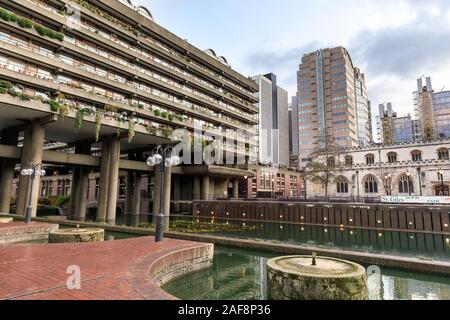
161, 157
35, 170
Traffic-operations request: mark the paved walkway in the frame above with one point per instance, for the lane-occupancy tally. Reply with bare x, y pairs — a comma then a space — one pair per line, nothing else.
113, 270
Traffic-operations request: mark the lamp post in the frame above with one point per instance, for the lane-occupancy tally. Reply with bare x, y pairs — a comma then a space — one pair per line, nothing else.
35, 170
162, 158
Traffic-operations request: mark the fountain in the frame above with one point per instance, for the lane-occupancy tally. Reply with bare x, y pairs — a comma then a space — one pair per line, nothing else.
76, 235
315, 278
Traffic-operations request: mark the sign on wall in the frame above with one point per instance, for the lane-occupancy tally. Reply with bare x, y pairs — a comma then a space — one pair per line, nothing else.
415, 199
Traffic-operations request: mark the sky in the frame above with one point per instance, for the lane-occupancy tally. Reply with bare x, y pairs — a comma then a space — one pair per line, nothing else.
393, 42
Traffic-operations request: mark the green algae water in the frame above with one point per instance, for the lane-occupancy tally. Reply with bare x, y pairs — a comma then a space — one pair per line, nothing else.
241, 275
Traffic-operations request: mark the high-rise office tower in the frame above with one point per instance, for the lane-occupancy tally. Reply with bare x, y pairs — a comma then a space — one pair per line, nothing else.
273, 121
293, 132
432, 111
394, 129
332, 101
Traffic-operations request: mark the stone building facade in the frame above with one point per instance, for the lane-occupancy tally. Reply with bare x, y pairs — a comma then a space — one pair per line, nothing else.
418, 169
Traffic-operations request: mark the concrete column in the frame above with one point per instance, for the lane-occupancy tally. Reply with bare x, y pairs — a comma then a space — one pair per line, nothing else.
177, 193
31, 153
75, 192
235, 188
156, 193
166, 197
137, 194
113, 185
83, 193
205, 188
129, 193
103, 182
196, 188
7, 173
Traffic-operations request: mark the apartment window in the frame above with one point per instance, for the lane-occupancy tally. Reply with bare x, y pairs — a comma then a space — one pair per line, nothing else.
370, 159
371, 184
392, 157
443, 154
416, 156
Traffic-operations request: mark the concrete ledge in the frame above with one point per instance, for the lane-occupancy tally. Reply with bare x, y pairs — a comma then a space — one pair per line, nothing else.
148, 275
19, 232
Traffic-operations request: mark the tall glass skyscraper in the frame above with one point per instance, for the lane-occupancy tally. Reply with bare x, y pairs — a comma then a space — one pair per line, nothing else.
332, 102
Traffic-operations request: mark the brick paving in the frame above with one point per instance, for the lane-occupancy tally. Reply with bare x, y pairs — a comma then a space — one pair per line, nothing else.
113, 270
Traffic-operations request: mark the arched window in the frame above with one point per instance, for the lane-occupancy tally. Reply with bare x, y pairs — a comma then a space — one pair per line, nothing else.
348, 160
443, 154
405, 184
370, 159
392, 157
331, 162
371, 184
416, 155
341, 185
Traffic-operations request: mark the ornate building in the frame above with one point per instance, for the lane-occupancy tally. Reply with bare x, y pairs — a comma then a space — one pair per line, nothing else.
400, 169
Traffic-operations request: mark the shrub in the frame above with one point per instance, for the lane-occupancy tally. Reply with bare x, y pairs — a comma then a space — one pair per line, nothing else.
24, 97
164, 114
25, 23
54, 105
3, 90
157, 113
5, 84
170, 117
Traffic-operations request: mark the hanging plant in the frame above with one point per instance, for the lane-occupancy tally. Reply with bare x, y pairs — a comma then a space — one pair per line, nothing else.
131, 131
151, 129
64, 110
98, 124
79, 119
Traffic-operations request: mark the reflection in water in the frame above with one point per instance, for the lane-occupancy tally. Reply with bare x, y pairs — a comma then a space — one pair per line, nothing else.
241, 275
432, 246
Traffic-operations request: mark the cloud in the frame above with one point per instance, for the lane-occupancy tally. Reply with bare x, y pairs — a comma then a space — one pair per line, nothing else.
282, 63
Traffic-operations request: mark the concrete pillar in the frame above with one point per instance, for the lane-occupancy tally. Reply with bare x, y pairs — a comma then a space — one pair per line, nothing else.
177, 193
166, 197
113, 184
235, 188
31, 153
103, 182
75, 192
129, 193
156, 193
7, 173
196, 189
83, 193
205, 188
137, 194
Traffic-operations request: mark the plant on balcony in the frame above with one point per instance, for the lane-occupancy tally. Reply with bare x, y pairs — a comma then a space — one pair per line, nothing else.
24, 97
3, 90
5, 15
131, 129
157, 112
79, 119
13, 92
98, 124
54, 105
151, 129
64, 110
5, 84
167, 132
170, 116
25, 23
164, 114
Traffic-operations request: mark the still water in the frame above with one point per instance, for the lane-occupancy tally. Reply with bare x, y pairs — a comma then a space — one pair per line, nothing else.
241, 275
